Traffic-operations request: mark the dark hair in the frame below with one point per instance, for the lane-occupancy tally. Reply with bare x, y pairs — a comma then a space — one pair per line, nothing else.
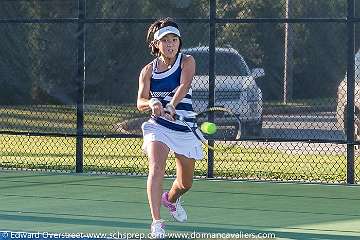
164, 22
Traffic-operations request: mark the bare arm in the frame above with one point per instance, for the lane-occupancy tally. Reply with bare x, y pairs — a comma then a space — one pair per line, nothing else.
143, 102
144, 89
187, 74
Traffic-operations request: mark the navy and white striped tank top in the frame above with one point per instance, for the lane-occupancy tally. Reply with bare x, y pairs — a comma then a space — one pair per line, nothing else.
163, 85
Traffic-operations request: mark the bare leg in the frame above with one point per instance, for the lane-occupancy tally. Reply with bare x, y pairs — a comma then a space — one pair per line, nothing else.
157, 153
184, 177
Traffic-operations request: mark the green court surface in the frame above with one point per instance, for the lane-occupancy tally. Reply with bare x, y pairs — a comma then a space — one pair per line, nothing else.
117, 205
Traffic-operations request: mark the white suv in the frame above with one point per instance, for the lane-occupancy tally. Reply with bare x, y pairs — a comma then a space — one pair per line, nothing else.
341, 110
235, 86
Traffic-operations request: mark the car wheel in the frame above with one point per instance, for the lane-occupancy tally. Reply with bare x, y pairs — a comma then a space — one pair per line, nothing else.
356, 125
258, 129
251, 129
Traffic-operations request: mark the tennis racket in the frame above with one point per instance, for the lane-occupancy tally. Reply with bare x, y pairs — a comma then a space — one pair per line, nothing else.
214, 124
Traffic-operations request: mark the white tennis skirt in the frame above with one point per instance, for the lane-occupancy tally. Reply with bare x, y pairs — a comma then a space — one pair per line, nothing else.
184, 143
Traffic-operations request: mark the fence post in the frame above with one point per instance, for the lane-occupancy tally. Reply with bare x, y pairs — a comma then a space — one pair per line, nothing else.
80, 79
288, 54
350, 92
212, 32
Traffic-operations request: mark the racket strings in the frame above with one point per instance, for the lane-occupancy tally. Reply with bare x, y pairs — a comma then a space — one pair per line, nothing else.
226, 123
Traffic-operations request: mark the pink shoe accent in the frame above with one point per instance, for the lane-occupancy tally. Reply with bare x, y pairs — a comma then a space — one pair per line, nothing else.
166, 203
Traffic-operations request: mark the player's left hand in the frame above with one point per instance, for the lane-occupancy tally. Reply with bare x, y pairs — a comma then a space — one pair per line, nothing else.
170, 112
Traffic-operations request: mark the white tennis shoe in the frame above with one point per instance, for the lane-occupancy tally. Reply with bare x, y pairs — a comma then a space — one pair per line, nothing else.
175, 209
157, 229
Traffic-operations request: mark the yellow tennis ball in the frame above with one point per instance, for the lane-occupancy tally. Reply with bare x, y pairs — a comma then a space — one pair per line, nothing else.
208, 127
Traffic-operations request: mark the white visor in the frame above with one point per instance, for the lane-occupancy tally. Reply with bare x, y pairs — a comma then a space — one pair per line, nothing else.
166, 30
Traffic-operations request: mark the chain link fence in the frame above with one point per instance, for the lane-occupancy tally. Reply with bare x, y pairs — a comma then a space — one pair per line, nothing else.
69, 73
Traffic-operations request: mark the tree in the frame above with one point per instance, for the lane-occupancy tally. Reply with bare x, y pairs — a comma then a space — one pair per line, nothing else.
15, 62
43, 67
261, 44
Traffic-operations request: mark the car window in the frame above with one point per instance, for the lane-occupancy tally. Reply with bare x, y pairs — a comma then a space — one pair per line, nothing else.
230, 64
227, 64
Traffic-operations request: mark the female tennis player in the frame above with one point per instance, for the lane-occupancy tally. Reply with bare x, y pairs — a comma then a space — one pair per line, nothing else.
165, 89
